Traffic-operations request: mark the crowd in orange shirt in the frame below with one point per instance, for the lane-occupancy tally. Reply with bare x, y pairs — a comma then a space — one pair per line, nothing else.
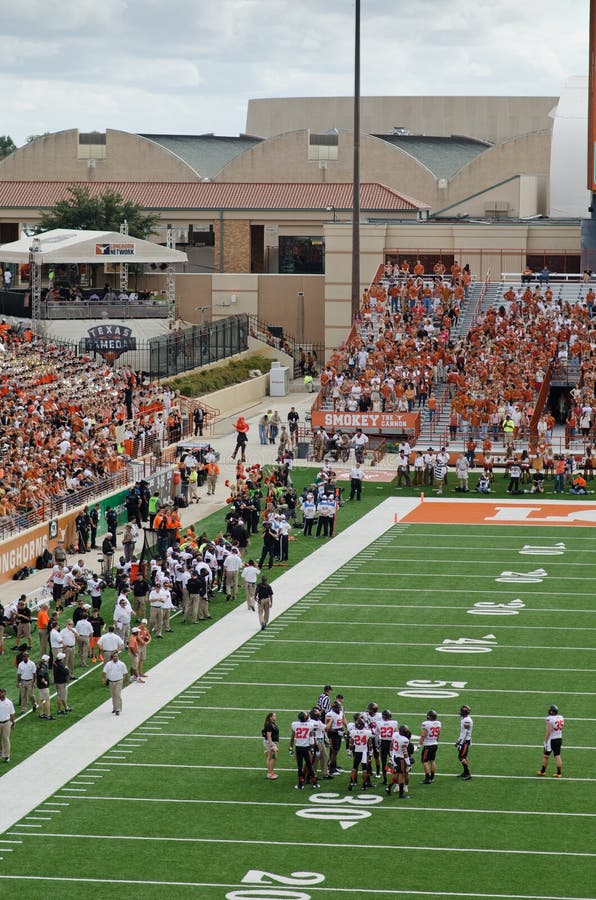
68, 422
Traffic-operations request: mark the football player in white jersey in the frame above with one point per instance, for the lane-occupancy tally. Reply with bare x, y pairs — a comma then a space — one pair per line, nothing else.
387, 730
464, 740
300, 738
361, 744
553, 741
429, 741
373, 719
400, 761
320, 744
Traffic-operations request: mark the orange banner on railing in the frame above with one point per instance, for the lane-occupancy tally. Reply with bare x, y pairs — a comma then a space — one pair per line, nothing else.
370, 422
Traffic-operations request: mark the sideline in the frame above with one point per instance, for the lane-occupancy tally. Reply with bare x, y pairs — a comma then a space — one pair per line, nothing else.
70, 753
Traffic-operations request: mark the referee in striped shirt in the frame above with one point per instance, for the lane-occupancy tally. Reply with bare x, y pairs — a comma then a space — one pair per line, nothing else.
324, 701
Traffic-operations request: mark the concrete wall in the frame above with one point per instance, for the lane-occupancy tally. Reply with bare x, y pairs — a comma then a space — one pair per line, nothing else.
273, 298
493, 119
128, 158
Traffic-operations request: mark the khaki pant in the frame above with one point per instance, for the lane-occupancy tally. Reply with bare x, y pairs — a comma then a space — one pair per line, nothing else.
322, 759
69, 652
264, 610
124, 632
24, 632
62, 692
203, 608
194, 490
83, 649
5, 729
232, 584
191, 607
211, 483
166, 618
25, 694
44, 639
156, 620
116, 694
140, 606
250, 590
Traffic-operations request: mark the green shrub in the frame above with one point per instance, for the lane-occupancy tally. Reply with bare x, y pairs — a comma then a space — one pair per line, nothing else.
208, 380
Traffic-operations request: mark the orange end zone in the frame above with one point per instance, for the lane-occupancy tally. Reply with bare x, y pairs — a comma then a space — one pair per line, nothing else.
445, 512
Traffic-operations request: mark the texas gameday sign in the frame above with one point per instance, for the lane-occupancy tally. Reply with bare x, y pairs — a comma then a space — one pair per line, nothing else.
370, 421
110, 341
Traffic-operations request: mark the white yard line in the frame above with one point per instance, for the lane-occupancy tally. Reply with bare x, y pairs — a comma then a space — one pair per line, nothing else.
320, 889
416, 848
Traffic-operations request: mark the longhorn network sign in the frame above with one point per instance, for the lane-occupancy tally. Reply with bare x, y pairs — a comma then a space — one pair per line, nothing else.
122, 248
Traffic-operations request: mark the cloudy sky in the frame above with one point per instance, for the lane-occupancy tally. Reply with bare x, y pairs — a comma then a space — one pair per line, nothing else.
190, 66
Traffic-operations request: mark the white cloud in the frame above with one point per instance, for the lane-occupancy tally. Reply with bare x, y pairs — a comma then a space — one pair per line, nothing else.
172, 65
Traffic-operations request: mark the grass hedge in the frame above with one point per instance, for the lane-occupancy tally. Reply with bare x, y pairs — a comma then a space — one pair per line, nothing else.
205, 381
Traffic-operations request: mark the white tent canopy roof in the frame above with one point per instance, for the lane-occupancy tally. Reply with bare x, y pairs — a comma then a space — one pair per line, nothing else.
65, 245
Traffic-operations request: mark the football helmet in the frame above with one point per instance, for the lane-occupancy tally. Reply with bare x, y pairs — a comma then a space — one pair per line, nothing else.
553, 710
372, 708
464, 710
431, 714
386, 714
302, 716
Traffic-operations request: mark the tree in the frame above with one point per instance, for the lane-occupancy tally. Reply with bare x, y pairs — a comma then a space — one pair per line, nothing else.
105, 212
7, 145
36, 137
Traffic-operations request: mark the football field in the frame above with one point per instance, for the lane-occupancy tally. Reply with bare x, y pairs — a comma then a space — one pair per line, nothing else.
495, 610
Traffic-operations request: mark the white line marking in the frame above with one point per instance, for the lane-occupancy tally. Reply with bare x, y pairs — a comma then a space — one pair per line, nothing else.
377, 687
443, 715
39, 818
404, 847
467, 625
434, 644
487, 592
359, 891
335, 662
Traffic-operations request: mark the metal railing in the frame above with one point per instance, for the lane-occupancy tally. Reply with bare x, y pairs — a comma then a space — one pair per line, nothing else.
93, 309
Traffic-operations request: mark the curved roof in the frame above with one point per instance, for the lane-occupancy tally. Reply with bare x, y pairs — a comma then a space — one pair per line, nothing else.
443, 156
207, 154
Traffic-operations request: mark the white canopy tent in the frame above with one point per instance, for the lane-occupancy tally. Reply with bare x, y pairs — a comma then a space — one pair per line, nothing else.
70, 246
64, 245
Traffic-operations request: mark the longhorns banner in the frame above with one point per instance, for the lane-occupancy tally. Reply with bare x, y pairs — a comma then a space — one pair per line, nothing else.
397, 423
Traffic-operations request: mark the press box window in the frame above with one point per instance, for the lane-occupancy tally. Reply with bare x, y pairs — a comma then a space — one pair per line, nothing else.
323, 146
92, 145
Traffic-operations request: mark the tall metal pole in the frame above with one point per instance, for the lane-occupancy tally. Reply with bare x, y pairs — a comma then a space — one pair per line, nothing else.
35, 285
356, 174
171, 278
123, 265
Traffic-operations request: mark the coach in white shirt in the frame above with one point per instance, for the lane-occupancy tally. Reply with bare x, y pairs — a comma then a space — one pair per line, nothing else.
110, 643
232, 566
250, 573
7, 721
115, 674
122, 617
84, 630
69, 642
26, 670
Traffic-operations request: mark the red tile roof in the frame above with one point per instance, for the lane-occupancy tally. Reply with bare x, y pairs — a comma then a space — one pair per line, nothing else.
214, 195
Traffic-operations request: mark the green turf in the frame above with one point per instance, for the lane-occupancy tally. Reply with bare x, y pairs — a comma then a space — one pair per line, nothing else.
87, 693
184, 800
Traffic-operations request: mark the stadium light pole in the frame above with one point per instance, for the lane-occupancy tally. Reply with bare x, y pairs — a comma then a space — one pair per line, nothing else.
356, 169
